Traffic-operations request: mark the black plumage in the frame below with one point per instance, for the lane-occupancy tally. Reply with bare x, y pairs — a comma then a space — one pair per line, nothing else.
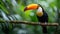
43, 19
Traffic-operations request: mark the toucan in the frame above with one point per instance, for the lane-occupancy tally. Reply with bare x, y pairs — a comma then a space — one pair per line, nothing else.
42, 16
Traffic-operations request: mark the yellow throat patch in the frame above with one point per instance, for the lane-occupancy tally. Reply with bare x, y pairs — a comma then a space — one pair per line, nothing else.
39, 12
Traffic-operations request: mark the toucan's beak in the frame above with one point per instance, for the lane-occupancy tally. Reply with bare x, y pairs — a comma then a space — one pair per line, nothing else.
25, 9
34, 7
31, 7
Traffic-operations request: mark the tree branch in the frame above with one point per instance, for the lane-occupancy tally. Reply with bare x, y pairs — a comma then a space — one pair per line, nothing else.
30, 23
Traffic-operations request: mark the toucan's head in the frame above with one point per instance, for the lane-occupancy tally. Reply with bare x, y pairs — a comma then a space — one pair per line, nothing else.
34, 7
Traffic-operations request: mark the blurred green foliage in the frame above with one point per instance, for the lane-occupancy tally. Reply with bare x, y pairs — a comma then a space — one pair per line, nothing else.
14, 10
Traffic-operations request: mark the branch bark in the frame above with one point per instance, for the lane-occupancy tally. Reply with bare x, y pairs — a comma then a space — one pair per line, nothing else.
30, 23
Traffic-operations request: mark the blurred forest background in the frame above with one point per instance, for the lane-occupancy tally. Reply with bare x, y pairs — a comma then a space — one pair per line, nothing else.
13, 10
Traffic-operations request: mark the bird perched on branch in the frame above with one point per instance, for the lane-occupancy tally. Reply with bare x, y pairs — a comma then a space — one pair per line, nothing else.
41, 14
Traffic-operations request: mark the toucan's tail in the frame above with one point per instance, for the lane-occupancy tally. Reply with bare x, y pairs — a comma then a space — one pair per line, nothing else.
44, 28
